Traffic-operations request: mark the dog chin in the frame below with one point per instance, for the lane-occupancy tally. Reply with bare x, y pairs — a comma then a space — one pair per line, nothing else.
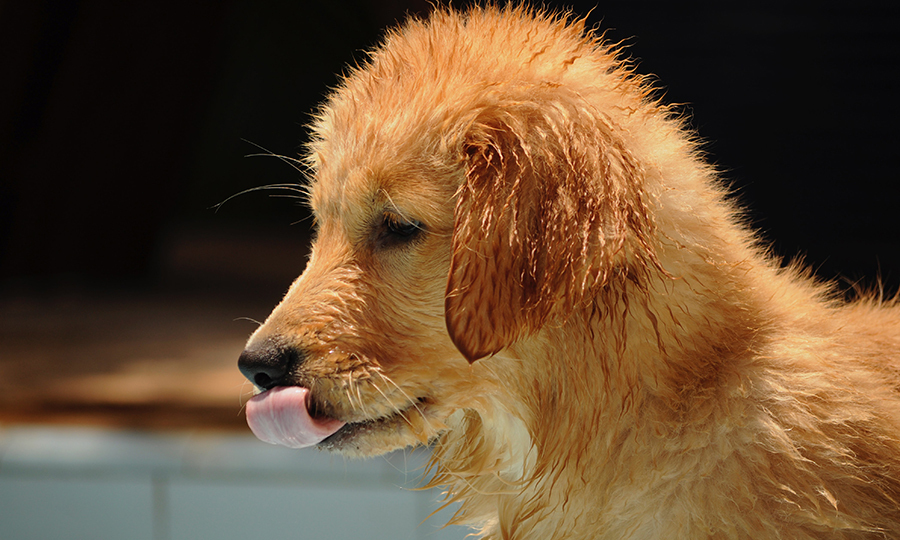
371, 438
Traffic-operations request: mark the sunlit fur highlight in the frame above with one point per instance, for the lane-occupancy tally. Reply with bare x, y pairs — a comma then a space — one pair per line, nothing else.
591, 339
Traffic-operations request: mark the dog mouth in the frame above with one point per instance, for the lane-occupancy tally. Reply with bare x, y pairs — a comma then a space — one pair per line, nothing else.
351, 432
289, 416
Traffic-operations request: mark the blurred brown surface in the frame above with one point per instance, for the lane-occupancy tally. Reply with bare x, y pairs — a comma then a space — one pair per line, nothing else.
161, 357
151, 361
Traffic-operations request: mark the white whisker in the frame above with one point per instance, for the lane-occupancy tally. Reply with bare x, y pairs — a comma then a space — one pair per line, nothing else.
295, 188
413, 402
397, 410
348, 391
297, 164
248, 319
360, 399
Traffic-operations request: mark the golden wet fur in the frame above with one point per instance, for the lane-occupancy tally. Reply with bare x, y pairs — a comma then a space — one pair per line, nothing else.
522, 259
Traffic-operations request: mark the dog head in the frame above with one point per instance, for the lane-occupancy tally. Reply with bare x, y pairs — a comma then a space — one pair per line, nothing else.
470, 185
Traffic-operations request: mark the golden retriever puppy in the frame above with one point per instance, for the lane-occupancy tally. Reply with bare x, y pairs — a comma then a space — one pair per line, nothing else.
522, 260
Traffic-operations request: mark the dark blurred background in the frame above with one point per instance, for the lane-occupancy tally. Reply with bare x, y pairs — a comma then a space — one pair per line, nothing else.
124, 124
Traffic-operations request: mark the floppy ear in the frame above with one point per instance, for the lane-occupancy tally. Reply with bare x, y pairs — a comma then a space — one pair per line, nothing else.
551, 206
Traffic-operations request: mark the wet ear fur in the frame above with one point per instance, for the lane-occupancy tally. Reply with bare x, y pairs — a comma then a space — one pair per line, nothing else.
551, 207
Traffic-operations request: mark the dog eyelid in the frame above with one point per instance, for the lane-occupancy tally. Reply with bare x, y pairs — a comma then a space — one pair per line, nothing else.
396, 229
401, 226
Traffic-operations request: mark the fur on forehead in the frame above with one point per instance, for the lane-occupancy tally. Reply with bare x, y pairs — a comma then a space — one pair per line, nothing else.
400, 187
427, 82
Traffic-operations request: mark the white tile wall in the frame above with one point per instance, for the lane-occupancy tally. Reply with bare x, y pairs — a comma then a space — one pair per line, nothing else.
74, 483
39, 508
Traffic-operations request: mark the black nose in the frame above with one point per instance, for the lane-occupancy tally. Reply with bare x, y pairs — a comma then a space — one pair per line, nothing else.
269, 364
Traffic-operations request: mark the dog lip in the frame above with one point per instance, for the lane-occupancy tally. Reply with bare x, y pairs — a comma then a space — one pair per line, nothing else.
347, 433
281, 415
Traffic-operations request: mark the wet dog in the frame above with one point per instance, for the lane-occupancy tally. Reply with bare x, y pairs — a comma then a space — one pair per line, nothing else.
522, 260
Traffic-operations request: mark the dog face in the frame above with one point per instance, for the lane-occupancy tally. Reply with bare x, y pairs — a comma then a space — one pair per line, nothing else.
363, 327
459, 207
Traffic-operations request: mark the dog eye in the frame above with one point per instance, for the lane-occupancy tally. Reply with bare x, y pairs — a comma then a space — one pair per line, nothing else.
400, 227
396, 230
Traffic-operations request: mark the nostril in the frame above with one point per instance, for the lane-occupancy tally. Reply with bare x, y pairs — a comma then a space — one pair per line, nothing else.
268, 364
262, 380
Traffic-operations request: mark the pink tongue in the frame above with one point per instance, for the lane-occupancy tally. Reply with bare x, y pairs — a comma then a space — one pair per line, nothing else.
280, 416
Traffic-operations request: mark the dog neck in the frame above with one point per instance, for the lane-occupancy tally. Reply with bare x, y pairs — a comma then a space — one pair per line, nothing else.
553, 465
